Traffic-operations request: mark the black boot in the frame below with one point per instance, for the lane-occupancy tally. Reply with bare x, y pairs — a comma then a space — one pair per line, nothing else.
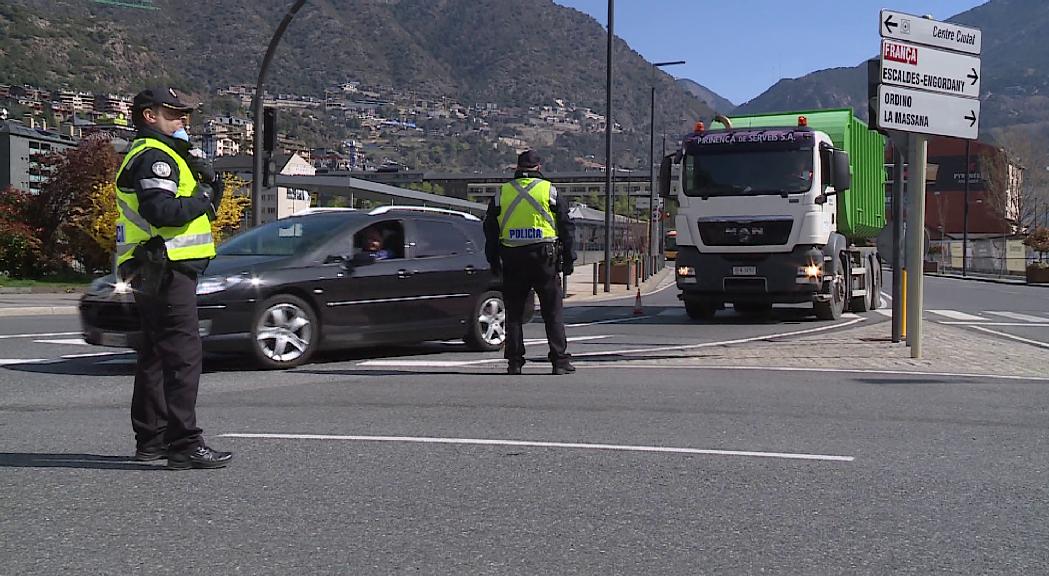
199, 457
562, 368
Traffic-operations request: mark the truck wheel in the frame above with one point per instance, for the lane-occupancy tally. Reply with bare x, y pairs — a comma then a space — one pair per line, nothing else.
875, 268
863, 303
700, 310
833, 308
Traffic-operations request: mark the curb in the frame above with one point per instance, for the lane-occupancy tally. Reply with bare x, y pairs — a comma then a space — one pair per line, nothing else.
39, 311
1004, 281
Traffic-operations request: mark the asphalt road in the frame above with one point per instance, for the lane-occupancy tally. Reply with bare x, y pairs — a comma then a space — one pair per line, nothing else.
427, 459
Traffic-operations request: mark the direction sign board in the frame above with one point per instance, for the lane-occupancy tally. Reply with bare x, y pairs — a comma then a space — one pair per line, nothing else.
910, 110
920, 30
914, 66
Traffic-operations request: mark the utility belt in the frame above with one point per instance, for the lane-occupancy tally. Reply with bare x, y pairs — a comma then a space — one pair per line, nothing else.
551, 251
149, 268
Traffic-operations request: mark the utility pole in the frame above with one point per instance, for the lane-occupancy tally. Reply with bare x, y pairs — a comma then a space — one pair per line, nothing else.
608, 151
965, 215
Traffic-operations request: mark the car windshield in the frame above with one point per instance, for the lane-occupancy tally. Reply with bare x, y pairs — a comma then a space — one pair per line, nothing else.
752, 172
285, 237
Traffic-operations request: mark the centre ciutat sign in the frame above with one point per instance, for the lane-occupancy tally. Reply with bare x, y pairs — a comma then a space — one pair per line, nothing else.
929, 76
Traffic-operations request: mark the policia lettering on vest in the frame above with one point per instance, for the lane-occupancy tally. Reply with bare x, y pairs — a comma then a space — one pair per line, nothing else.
166, 200
528, 242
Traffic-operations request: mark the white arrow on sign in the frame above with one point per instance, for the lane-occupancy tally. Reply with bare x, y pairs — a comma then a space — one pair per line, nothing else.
909, 110
929, 32
914, 66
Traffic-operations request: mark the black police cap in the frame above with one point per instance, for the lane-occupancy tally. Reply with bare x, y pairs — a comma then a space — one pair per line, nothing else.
160, 96
529, 159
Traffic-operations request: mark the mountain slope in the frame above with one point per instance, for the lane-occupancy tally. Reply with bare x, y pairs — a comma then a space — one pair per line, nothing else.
511, 52
708, 96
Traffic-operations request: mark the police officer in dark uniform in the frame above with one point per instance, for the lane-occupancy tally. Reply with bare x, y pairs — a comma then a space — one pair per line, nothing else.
166, 199
529, 239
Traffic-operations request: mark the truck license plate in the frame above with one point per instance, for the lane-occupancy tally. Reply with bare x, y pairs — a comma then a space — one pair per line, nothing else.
744, 270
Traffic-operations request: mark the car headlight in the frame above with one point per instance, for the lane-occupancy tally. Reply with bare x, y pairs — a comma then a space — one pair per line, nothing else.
107, 285
213, 284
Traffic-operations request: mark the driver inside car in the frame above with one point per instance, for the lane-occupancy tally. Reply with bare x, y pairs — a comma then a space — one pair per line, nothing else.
372, 244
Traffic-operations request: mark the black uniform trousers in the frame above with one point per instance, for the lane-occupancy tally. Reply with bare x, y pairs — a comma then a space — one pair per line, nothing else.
525, 268
164, 403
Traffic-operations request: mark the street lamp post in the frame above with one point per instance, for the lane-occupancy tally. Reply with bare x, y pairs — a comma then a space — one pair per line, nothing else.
653, 238
256, 106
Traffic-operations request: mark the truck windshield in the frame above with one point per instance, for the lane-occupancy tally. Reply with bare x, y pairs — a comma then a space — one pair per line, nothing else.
746, 173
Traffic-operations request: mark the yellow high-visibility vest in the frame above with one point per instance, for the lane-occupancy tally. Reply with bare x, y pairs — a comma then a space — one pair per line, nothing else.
187, 242
525, 215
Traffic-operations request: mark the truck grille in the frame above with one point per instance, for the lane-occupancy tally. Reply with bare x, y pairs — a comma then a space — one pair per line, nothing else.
745, 233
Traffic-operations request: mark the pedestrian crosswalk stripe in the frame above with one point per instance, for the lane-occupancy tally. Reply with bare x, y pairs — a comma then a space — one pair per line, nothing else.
669, 312
1018, 316
884, 312
958, 315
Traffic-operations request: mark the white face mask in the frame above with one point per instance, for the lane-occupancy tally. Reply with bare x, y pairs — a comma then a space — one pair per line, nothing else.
181, 134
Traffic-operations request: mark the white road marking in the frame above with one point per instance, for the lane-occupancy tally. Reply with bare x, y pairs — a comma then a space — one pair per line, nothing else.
958, 315
94, 355
76, 341
670, 312
16, 361
570, 339
463, 363
42, 335
428, 363
536, 444
850, 315
636, 366
886, 297
884, 312
1026, 324
1018, 316
1011, 337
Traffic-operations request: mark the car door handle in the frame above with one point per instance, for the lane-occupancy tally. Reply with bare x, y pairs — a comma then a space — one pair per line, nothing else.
470, 269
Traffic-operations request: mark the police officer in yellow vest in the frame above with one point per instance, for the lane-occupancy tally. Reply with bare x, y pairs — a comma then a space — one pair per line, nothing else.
529, 239
166, 199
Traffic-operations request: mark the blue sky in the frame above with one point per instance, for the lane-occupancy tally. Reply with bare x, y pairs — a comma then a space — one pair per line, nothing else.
737, 48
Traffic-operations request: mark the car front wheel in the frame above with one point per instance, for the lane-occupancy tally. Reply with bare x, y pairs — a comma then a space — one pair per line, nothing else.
285, 332
487, 325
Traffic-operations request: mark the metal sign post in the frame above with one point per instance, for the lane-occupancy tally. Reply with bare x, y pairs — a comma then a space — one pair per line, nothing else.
929, 84
916, 242
899, 156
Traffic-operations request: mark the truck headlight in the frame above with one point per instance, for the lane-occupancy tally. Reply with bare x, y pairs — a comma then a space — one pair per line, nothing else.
686, 271
811, 271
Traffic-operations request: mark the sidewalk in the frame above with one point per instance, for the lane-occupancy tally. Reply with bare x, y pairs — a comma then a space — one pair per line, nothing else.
869, 347
581, 285
33, 304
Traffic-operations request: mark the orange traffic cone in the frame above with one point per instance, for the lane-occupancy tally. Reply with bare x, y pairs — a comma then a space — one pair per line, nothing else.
638, 311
